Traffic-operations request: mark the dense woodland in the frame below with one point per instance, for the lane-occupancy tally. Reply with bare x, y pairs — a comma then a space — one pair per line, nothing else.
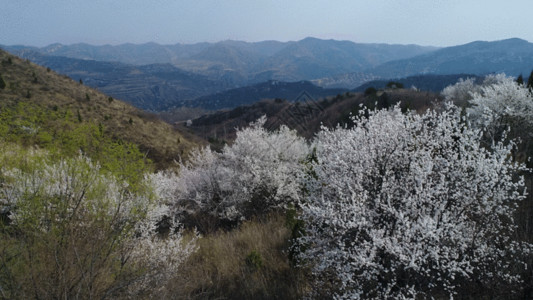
397, 202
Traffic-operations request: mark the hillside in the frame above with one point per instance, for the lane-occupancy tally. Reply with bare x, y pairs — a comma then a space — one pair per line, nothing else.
429, 82
347, 80
151, 87
52, 94
306, 116
511, 56
266, 90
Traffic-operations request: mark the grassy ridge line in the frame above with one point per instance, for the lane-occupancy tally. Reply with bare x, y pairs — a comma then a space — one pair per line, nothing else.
41, 87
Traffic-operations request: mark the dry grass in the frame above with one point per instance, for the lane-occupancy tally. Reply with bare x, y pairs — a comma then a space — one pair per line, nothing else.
249, 262
39, 86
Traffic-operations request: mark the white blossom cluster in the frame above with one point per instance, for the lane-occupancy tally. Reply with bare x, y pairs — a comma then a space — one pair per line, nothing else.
259, 171
501, 103
407, 205
74, 197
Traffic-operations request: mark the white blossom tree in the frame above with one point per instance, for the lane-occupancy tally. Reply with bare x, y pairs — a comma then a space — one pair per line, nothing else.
74, 231
260, 171
407, 205
460, 92
501, 104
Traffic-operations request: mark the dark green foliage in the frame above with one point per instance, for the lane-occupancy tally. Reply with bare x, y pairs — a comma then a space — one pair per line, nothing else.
530, 81
297, 229
394, 85
2, 83
520, 79
110, 99
79, 116
130, 121
48, 70
81, 81
28, 94
87, 97
384, 101
370, 91
254, 260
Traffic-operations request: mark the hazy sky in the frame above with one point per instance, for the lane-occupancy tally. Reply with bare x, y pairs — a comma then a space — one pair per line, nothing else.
424, 22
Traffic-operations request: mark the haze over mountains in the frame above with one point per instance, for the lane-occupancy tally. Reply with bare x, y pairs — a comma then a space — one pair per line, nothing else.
158, 77
511, 56
243, 62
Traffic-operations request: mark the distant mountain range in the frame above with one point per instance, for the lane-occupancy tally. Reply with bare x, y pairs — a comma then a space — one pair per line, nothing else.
220, 75
243, 63
511, 56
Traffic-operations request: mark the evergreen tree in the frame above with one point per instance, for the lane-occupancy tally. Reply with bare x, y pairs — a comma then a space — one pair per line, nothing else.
520, 79
530, 80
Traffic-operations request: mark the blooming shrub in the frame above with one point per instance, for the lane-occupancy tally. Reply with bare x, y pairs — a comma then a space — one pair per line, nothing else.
260, 171
407, 205
73, 231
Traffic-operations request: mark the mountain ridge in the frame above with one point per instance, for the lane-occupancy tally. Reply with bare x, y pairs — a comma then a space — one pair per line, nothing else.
253, 59
511, 56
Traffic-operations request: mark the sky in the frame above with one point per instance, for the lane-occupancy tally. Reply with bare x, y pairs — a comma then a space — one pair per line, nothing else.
422, 22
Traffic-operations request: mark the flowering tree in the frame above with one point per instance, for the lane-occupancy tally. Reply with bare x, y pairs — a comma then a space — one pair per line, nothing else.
261, 170
461, 91
411, 205
74, 231
502, 104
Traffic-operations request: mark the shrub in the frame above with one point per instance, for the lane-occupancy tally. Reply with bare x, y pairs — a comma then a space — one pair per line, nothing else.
408, 206
370, 91
260, 171
74, 232
254, 260
461, 91
502, 103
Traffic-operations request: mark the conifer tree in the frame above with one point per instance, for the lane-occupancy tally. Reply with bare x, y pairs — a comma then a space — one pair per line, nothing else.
2, 83
520, 79
530, 80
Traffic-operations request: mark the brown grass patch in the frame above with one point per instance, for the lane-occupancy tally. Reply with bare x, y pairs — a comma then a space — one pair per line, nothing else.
249, 262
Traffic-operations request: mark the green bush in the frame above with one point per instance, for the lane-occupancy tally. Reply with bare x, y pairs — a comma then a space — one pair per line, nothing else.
254, 260
370, 91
